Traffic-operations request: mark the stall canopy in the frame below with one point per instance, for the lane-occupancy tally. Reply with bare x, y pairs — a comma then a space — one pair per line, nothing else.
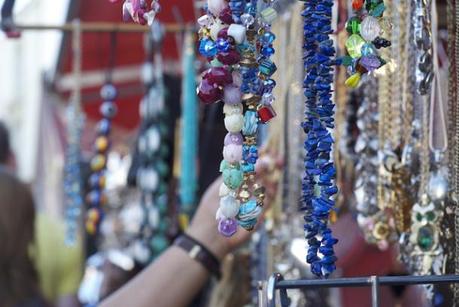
129, 55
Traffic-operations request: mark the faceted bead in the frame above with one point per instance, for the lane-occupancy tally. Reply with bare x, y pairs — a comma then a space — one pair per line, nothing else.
229, 206
247, 20
370, 62
232, 94
266, 113
354, 80
353, 25
209, 93
223, 34
370, 29
237, 32
357, 4
378, 10
227, 227
234, 122
267, 51
93, 215
267, 38
250, 123
216, 6
207, 48
231, 57
97, 181
267, 67
223, 45
219, 76
104, 127
233, 138
368, 49
226, 16
216, 63
268, 15
354, 45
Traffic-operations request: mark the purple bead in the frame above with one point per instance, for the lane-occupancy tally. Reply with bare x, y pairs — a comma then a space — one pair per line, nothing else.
226, 16
219, 76
227, 227
370, 62
209, 93
233, 138
232, 95
231, 57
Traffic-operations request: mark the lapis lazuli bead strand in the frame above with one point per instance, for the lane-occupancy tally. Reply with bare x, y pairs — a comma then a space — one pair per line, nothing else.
318, 181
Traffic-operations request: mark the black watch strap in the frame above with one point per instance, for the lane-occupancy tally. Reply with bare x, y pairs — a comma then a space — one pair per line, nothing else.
197, 251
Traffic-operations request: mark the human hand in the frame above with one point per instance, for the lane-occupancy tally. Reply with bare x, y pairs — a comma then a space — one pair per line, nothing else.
204, 225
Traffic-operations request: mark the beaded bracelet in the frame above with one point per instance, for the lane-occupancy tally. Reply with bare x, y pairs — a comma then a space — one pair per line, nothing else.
364, 40
96, 198
318, 181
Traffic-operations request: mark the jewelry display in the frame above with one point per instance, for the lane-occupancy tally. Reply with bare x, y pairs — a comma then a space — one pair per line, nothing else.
240, 73
318, 181
72, 173
96, 198
364, 29
153, 151
141, 11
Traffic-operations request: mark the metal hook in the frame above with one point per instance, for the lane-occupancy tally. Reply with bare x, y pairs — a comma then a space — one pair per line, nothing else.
271, 291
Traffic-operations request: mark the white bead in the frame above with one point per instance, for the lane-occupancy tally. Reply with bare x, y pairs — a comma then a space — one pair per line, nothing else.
229, 109
229, 206
219, 215
232, 153
237, 32
223, 190
205, 20
234, 122
237, 78
216, 6
370, 28
215, 28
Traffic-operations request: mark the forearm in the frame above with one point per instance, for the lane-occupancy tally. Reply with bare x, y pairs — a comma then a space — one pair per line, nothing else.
173, 279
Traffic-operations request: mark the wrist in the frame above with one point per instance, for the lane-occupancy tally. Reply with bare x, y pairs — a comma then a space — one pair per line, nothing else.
210, 238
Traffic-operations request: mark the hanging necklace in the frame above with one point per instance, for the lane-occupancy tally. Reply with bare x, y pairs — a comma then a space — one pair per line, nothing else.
318, 181
97, 198
72, 172
152, 151
227, 39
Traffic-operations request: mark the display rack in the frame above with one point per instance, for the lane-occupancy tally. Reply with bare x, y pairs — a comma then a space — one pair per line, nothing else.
277, 282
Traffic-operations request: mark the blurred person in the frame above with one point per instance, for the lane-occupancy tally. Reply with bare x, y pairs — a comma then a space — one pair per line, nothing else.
57, 267
19, 282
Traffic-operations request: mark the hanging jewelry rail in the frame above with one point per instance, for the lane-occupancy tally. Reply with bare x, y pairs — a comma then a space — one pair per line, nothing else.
101, 27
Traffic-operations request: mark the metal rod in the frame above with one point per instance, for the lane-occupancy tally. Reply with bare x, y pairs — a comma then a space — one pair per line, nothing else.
102, 27
77, 63
366, 281
374, 291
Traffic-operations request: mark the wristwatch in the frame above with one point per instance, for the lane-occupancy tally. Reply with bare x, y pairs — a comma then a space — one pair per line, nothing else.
197, 251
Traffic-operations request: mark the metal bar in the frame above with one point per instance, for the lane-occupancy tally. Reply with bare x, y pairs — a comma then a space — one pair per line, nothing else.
77, 63
102, 27
366, 281
374, 291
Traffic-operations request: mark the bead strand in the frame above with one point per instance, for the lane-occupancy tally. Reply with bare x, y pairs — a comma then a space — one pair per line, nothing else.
318, 181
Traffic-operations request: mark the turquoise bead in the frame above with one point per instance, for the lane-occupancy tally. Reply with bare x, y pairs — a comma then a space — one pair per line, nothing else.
267, 67
233, 178
368, 49
250, 123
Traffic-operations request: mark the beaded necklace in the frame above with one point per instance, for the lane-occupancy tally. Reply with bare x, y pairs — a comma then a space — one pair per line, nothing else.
96, 198
228, 39
140, 11
318, 181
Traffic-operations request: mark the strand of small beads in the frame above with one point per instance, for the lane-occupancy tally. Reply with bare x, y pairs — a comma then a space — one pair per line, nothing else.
140, 11
72, 173
318, 181
96, 198
364, 40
